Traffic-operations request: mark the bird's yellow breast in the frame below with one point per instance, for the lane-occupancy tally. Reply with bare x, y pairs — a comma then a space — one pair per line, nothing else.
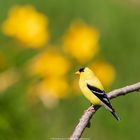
88, 94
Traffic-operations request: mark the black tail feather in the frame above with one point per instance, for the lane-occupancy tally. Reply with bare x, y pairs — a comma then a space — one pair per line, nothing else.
115, 115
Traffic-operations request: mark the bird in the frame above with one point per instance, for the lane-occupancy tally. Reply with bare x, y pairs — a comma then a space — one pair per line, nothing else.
93, 90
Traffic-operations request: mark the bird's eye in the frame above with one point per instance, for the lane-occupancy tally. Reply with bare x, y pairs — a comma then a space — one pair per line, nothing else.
81, 69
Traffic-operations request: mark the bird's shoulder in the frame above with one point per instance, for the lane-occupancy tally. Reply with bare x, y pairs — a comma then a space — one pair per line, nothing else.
95, 83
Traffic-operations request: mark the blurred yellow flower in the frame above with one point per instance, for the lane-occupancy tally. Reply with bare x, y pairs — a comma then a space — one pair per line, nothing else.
27, 25
49, 91
105, 72
81, 41
50, 63
53, 87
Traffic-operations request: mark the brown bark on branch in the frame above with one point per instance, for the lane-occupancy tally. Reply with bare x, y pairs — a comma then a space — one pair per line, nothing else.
79, 129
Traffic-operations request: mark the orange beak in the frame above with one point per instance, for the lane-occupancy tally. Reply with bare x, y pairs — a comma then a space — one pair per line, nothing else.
77, 73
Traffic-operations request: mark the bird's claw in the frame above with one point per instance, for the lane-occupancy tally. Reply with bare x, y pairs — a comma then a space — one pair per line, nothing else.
89, 110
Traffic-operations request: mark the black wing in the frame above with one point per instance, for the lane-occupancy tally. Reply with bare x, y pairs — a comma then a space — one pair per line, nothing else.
101, 95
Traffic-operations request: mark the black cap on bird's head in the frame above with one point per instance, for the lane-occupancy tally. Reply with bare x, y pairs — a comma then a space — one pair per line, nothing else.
80, 70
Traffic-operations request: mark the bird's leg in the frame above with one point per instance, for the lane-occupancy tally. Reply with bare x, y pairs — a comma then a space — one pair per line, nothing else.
90, 109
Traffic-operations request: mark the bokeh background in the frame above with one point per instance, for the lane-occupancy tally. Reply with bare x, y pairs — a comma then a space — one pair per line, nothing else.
43, 43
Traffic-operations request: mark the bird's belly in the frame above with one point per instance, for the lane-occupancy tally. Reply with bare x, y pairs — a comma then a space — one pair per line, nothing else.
90, 96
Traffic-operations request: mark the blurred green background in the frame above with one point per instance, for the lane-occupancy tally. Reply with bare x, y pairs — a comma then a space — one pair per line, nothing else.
24, 118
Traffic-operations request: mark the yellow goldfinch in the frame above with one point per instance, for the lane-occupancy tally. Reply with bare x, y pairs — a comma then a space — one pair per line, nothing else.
93, 90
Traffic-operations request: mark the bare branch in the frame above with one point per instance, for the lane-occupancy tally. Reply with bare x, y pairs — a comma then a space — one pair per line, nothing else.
79, 129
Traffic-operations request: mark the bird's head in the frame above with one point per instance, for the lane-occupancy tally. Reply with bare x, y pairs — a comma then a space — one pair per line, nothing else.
84, 71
